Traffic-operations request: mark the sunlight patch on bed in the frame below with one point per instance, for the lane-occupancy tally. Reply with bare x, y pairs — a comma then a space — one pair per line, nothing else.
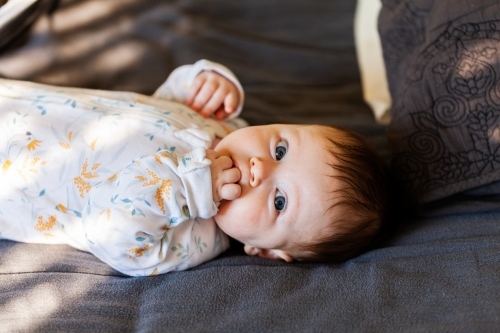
44, 51
119, 56
31, 309
84, 13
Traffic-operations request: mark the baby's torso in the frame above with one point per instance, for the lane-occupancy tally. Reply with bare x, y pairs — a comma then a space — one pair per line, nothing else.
56, 143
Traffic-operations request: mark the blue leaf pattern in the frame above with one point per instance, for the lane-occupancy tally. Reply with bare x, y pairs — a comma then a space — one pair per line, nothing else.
57, 163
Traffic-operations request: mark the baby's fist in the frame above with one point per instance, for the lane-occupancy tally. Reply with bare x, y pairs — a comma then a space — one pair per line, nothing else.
224, 177
212, 93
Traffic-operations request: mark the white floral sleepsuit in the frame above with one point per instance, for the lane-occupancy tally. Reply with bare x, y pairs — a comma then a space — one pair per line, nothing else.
121, 175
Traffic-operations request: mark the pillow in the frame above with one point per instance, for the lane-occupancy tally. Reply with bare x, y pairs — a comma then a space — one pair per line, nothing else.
443, 67
370, 60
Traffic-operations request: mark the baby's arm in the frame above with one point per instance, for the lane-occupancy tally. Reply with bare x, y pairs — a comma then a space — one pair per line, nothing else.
134, 219
209, 88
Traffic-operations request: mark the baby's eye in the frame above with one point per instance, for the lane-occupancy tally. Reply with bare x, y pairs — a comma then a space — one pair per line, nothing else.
279, 201
280, 150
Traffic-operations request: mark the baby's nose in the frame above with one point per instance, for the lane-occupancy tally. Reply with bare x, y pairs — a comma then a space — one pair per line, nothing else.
256, 171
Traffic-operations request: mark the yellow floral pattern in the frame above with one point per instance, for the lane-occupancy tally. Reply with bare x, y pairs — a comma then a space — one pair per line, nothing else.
60, 149
33, 144
139, 251
163, 190
67, 145
93, 144
6, 165
82, 185
30, 167
44, 226
62, 208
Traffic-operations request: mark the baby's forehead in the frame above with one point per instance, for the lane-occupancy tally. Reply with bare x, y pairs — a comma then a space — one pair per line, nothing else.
320, 187
320, 158
329, 139
316, 170
325, 191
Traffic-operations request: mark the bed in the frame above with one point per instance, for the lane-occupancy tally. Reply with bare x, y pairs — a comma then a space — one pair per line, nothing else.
438, 270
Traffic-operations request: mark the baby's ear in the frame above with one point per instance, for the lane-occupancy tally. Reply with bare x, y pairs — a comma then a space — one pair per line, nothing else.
270, 254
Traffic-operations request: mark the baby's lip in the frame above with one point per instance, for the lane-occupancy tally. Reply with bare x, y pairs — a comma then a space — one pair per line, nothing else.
235, 164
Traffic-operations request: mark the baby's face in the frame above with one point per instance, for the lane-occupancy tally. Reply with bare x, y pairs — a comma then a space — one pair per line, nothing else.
286, 186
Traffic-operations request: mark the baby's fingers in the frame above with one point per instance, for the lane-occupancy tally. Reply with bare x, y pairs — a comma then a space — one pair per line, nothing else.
220, 114
231, 175
195, 88
212, 105
231, 101
224, 163
204, 95
230, 191
212, 155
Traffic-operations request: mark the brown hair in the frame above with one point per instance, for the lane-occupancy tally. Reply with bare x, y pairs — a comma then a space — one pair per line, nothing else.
361, 203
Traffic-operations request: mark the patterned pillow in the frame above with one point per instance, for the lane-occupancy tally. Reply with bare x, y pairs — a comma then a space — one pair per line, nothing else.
443, 67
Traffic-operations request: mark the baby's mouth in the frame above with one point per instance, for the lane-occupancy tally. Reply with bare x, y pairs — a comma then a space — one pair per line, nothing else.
235, 164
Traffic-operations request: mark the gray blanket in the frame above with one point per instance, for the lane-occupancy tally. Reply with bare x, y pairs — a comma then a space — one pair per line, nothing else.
296, 61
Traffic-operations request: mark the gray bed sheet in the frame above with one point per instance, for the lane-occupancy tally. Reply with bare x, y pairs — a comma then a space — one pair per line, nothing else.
435, 275
296, 62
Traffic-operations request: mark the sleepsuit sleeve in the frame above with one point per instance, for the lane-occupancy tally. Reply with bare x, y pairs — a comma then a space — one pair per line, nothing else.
177, 85
149, 218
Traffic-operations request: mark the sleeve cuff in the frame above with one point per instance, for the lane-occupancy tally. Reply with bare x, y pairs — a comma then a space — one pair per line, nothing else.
194, 170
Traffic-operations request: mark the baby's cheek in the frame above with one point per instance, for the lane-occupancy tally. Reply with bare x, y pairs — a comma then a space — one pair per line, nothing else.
233, 211
223, 209
225, 217
236, 219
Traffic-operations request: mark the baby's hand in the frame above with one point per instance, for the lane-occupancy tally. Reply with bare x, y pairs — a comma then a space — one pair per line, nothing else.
211, 93
224, 177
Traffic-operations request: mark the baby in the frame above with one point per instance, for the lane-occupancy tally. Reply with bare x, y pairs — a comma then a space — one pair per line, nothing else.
134, 180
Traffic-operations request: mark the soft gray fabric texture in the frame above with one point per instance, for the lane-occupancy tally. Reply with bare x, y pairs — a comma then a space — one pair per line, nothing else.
436, 275
443, 66
296, 61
